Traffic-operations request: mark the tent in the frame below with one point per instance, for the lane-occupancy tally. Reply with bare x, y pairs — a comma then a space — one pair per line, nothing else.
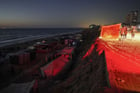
18, 87
57, 65
54, 67
110, 31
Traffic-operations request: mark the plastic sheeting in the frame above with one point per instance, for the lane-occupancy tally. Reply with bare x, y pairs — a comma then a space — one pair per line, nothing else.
67, 50
18, 88
110, 31
54, 67
24, 58
58, 64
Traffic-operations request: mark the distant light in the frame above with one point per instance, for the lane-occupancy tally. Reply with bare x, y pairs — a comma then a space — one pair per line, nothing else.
31, 47
43, 41
92, 26
138, 26
38, 43
100, 37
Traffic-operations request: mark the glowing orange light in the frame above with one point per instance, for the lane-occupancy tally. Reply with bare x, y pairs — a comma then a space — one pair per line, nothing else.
110, 32
123, 63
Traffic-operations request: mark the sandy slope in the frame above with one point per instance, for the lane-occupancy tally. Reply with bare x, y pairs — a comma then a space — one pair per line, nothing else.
123, 63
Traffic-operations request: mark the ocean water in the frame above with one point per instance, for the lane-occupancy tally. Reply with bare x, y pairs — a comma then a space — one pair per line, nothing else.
10, 36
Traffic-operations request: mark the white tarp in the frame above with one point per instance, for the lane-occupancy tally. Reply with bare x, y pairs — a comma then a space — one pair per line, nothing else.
18, 88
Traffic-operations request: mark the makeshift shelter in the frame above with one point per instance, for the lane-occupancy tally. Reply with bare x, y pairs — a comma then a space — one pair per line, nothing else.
110, 31
19, 58
57, 65
54, 67
18, 88
67, 51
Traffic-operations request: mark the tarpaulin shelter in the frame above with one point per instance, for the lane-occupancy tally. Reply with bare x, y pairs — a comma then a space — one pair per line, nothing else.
67, 50
58, 64
19, 58
18, 87
54, 67
110, 31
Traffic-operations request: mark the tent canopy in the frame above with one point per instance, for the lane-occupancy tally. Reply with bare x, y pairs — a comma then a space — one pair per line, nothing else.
54, 67
18, 87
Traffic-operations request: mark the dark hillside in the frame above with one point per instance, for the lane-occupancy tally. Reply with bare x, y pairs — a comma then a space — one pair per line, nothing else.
87, 75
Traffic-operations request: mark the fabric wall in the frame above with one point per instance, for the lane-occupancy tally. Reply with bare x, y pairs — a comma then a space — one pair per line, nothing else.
110, 31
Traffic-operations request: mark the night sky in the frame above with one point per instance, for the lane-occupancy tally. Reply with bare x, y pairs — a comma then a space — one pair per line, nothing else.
64, 13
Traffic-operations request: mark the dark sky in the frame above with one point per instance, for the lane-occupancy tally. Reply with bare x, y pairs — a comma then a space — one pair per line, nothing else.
64, 13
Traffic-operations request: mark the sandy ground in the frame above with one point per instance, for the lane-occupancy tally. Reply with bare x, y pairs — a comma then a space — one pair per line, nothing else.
123, 62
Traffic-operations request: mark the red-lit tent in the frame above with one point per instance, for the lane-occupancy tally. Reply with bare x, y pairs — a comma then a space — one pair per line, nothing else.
110, 31
67, 50
57, 65
54, 67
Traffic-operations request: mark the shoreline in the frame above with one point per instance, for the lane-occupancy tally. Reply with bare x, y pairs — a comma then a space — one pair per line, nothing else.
19, 46
30, 39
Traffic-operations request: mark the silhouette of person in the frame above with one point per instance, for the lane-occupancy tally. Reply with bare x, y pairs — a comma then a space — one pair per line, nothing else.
132, 32
123, 32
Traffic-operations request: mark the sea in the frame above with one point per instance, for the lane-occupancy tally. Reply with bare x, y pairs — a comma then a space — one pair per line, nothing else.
11, 36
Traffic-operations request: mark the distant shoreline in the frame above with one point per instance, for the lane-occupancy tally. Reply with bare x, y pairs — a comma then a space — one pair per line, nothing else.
40, 28
19, 46
30, 39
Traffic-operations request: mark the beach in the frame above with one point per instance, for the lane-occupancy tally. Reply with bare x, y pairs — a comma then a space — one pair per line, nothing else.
23, 38
75, 72
18, 47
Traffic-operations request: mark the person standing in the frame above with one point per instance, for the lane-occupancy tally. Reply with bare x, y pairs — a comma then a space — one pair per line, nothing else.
132, 32
125, 32
122, 32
